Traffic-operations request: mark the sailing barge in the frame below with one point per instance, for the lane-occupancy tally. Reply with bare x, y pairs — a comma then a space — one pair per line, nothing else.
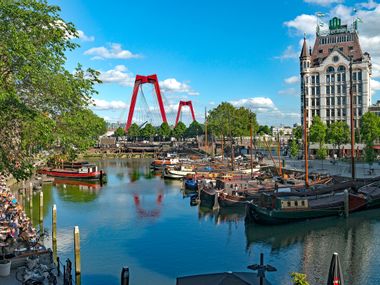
82, 172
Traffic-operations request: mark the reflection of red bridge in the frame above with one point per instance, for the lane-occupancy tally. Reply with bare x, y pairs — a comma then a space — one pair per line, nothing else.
152, 79
143, 213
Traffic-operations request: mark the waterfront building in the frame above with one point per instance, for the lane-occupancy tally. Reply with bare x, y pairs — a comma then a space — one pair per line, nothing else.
325, 75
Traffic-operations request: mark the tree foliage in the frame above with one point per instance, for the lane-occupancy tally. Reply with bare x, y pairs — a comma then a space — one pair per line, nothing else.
179, 130
297, 132
148, 131
226, 120
119, 132
338, 133
194, 129
318, 131
299, 278
294, 148
37, 94
164, 131
370, 128
134, 131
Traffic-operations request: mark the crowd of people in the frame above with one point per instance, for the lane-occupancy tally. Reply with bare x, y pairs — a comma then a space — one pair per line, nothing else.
16, 229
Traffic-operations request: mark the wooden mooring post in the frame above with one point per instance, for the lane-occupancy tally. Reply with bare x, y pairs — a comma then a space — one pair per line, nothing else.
346, 204
41, 207
77, 252
54, 232
31, 199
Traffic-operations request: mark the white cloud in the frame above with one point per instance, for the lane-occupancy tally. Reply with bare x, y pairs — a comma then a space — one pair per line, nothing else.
257, 104
114, 52
375, 86
119, 75
289, 53
289, 91
292, 79
323, 2
368, 5
303, 24
109, 105
376, 68
172, 85
82, 36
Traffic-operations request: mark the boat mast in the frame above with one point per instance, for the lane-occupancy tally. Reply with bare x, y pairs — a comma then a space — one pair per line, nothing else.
352, 125
279, 156
251, 148
206, 143
305, 132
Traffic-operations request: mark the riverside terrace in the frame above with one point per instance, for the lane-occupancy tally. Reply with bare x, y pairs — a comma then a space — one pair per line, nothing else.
19, 243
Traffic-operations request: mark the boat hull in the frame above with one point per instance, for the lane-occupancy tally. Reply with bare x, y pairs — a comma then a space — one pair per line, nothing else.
95, 175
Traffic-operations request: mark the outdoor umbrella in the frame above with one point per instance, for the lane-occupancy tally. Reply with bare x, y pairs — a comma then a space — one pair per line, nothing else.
335, 272
225, 278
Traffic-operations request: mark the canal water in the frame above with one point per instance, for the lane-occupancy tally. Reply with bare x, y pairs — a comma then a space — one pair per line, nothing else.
146, 223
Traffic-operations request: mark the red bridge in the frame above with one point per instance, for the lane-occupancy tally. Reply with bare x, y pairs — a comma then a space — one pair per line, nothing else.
152, 79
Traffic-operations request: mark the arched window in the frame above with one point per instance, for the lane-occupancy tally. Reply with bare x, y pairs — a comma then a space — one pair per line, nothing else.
330, 69
341, 68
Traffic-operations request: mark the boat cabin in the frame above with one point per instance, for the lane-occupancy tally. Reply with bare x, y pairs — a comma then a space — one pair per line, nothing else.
87, 168
291, 203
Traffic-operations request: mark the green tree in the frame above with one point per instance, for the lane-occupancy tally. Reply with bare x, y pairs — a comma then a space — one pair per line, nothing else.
294, 148
119, 132
338, 133
179, 130
318, 131
164, 131
299, 278
370, 131
264, 130
134, 131
148, 131
297, 132
194, 129
370, 128
78, 130
34, 84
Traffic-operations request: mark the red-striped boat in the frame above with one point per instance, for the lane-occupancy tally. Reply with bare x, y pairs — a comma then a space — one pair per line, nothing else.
85, 172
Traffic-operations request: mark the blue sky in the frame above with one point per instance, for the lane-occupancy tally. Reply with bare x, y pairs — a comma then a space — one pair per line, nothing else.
243, 51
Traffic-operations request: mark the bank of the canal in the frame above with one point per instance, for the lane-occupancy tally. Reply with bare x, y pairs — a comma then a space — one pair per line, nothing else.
141, 221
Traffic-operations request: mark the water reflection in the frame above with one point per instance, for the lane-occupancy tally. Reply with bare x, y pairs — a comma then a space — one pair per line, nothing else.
354, 239
77, 191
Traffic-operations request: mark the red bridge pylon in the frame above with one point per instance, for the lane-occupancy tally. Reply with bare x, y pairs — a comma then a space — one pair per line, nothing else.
184, 103
140, 79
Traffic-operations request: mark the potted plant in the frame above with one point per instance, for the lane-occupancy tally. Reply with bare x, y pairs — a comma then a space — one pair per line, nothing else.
5, 264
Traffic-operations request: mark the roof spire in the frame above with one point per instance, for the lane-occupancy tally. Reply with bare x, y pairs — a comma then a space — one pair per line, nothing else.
304, 48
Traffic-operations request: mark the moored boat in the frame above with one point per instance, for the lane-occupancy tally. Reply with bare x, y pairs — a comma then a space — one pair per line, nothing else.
85, 172
274, 209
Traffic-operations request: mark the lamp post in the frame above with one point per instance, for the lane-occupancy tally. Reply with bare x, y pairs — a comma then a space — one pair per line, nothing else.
352, 124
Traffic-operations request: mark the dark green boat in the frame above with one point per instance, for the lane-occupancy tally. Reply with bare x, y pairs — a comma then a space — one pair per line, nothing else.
275, 209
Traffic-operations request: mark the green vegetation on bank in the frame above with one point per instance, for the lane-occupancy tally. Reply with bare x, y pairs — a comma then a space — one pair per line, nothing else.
43, 106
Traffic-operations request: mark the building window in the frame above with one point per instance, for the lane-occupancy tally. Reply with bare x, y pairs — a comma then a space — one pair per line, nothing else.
313, 79
360, 75
318, 102
360, 87
344, 77
338, 77
312, 90
313, 102
360, 112
354, 88
338, 88
307, 79
338, 111
330, 69
360, 100
332, 112
332, 78
328, 78
318, 90
332, 101
341, 68
332, 90
354, 76
344, 100
320, 51
328, 101
317, 78
344, 112
328, 90
328, 112
344, 89
339, 100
